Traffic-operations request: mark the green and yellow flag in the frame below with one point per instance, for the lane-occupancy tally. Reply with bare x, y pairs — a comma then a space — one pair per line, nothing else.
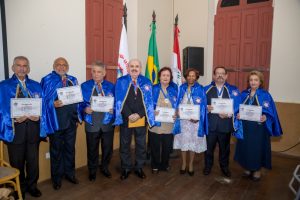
152, 66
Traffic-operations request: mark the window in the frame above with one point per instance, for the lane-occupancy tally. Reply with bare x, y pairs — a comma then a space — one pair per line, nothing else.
228, 3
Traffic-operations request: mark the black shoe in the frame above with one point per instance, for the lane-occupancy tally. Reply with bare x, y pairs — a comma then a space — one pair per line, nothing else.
125, 174
106, 173
92, 177
182, 171
155, 171
56, 186
140, 173
35, 192
255, 179
191, 173
72, 179
206, 171
226, 172
166, 169
247, 174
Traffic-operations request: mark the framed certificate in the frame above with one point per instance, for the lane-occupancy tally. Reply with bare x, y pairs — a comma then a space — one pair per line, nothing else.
222, 106
250, 112
165, 114
70, 95
25, 107
189, 111
101, 103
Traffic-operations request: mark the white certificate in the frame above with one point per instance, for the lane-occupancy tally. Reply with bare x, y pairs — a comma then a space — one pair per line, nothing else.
165, 114
189, 111
102, 104
250, 113
222, 106
70, 95
25, 107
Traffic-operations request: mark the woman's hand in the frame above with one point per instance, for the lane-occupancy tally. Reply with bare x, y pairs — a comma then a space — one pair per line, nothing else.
58, 104
88, 110
263, 118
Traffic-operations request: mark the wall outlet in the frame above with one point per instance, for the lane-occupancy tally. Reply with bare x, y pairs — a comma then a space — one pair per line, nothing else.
47, 155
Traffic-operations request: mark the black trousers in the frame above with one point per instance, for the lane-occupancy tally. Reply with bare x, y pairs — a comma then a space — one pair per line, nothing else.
161, 147
23, 153
92, 140
223, 139
140, 147
62, 153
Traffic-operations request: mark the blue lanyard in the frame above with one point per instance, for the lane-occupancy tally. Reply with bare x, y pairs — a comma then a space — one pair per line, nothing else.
167, 97
189, 94
99, 91
251, 99
220, 93
24, 91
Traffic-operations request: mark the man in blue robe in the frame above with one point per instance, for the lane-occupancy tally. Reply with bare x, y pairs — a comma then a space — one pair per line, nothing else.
134, 110
22, 135
222, 125
98, 125
61, 123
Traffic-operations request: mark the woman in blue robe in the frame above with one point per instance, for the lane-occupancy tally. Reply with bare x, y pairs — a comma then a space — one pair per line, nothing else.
254, 151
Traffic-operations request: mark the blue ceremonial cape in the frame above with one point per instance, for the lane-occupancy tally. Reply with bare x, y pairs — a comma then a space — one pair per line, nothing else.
121, 90
199, 98
49, 84
265, 100
172, 90
8, 90
234, 94
88, 88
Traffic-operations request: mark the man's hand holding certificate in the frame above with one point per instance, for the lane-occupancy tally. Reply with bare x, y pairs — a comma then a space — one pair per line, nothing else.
222, 106
250, 112
165, 114
102, 104
21, 107
70, 95
189, 111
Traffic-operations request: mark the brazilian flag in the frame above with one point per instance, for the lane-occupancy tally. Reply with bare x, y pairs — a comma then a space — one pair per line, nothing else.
152, 66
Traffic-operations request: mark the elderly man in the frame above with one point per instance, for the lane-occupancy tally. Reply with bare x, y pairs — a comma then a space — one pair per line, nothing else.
223, 124
134, 109
61, 123
98, 125
22, 134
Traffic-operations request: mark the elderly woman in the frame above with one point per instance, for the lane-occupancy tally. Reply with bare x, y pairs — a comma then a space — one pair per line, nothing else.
254, 151
190, 133
160, 136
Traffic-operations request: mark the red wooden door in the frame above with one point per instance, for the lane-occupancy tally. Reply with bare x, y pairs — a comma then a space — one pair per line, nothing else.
103, 30
242, 40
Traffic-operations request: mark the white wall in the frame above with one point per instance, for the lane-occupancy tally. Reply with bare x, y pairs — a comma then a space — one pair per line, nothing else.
193, 25
44, 30
132, 27
1, 53
285, 57
164, 29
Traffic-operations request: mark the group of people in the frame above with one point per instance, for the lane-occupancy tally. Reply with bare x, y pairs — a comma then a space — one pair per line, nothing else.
136, 103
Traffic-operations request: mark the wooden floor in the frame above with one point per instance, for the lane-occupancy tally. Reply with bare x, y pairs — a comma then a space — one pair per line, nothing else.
171, 185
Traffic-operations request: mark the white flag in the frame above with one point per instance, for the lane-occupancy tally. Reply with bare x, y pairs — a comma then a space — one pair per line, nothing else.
123, 58
176, 62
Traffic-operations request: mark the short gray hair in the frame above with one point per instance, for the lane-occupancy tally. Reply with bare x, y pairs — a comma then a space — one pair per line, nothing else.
21, 58
99, 64
135, 59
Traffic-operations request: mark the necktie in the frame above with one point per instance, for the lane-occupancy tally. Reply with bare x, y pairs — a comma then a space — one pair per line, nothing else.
64, 81
99, 85
135, 87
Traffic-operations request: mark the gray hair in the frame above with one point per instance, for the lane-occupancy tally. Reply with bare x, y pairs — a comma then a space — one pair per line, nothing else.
99, 64
21, 58
135, 59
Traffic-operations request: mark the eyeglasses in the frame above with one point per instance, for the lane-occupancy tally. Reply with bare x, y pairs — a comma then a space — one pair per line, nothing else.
61, 65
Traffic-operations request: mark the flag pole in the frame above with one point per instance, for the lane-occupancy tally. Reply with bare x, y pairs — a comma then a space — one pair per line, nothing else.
125, 15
